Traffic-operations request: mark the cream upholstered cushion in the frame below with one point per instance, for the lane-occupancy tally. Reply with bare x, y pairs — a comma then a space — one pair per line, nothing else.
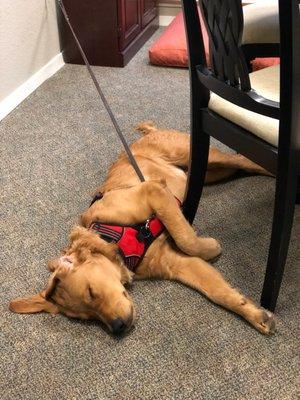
261, 22
266, 82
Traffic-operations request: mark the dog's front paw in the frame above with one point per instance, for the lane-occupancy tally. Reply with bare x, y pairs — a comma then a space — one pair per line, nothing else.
209, 248
265, 322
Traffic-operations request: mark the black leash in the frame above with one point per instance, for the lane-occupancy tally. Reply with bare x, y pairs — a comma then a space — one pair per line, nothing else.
106, 105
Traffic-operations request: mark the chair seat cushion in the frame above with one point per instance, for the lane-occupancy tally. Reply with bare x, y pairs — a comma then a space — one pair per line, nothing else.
261, 22
266, 82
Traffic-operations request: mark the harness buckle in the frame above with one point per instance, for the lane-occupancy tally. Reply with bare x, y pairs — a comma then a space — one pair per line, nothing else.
144, 232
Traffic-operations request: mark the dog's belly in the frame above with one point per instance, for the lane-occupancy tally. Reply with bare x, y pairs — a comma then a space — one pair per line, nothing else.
176, 181
152, 168
157, 168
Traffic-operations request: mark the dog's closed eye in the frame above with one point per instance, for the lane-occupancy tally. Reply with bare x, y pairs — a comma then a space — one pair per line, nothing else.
91, 294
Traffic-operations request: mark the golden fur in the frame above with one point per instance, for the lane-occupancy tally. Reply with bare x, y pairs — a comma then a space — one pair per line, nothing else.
88, 280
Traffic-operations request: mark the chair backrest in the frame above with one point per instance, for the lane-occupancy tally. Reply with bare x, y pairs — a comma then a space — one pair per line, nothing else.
228, 74
224, 24
289, 16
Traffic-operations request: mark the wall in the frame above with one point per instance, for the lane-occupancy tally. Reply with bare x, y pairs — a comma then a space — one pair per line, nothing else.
28, 41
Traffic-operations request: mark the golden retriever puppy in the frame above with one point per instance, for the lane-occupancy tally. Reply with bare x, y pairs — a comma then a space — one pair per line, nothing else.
136, 230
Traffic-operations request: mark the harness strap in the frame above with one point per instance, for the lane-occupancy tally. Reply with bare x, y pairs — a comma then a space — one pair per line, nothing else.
103, 98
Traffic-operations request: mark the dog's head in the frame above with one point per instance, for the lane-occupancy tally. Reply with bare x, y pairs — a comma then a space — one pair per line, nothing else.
87, 282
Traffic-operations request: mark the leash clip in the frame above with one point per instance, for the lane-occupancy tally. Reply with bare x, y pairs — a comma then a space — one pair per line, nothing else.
144, 232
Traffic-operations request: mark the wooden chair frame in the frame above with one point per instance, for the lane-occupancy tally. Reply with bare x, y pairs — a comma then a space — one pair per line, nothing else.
231, 82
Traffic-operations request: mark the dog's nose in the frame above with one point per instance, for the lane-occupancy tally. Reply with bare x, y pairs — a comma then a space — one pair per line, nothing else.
118, 326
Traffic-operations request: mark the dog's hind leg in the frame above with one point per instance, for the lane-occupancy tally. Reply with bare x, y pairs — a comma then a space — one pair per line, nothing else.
171, 145
174, 146
169, 263
222, 165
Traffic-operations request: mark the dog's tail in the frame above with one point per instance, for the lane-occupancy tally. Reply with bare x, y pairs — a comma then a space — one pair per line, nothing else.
146, 127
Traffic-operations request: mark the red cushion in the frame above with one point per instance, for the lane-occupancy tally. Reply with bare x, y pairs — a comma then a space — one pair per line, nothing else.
170, 48
260, 63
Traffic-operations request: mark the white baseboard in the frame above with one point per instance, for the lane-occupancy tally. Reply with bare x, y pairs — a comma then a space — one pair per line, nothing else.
23, 91
165, 20
167, 12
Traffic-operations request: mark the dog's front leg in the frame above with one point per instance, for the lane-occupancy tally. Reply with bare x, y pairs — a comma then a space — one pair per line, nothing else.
198, 274
166, 208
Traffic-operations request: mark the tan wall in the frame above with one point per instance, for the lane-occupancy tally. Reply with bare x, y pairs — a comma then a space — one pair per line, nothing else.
28, 40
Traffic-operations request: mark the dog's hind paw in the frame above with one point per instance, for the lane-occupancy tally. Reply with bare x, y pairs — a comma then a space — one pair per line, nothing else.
146, 127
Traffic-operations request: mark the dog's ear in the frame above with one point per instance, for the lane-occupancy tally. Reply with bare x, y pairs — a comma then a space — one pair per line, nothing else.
53, 282
41, 301
33, 304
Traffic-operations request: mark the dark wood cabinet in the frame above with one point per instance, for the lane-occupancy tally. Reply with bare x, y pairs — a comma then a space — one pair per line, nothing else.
110, 31
129, 21
149, 11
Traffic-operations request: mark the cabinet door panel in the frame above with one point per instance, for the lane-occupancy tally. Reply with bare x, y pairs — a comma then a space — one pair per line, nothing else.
149, 11
129, 14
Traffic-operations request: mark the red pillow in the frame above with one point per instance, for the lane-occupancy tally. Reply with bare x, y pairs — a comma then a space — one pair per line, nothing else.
260, 63
170, 49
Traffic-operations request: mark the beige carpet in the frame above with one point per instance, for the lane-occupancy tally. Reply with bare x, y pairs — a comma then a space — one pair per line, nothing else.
55, 149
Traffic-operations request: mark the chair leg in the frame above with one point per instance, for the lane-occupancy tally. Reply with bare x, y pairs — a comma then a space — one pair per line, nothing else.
199, 100
285, 199
249, 63
298, 192
198, 164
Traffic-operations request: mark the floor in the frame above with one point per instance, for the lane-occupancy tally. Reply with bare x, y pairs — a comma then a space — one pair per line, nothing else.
55, 150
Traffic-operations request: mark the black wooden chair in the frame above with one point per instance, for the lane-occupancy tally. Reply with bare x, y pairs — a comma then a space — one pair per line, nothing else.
243, 111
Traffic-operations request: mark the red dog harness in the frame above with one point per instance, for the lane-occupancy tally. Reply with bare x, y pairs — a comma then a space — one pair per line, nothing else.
133, 240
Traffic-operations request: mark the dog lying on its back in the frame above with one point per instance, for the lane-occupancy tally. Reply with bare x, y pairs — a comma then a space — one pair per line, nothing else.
88, 280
